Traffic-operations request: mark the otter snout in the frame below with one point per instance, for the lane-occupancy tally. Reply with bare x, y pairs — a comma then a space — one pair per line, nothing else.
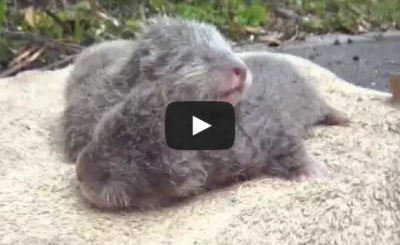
239, 78
243, 74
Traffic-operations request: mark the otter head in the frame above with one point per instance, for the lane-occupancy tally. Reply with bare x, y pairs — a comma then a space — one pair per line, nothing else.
194, 58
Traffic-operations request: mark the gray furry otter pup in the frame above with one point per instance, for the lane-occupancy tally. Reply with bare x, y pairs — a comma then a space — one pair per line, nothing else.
125, 161
292, 90
104, 73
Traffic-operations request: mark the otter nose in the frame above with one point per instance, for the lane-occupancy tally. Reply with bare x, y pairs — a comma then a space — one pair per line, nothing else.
241, 73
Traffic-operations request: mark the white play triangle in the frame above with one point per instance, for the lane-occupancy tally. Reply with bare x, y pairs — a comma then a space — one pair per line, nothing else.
198, 125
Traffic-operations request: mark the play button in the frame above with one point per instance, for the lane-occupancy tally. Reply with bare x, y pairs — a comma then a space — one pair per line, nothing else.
184, 130
198, 125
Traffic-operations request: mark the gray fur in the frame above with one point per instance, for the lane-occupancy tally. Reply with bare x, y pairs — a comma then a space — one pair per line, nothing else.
104, 73
99, 80
292, 91
126, 162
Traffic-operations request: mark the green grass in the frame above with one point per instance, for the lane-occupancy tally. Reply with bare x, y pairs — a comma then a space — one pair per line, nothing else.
94, 20
80, 21
350, 15
237, 17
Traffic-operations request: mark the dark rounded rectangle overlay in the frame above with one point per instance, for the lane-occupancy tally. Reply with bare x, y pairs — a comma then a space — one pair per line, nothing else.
178, 125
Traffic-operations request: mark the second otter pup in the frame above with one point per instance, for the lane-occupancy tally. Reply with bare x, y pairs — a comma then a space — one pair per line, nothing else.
292, 90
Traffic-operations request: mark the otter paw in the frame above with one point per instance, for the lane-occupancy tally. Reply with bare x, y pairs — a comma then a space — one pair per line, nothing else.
110, 197
336, 118
307, 172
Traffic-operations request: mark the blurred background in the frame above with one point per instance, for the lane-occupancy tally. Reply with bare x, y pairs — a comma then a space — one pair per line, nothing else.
47, 34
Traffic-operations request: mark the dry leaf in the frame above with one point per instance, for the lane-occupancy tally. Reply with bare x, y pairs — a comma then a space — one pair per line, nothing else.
394, 82
254, 29
30, 16
272, 38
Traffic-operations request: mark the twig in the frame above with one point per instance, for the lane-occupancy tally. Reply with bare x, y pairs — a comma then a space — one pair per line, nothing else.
19, 66
22, 56
294, 37
58, 63
287, 13
42, 40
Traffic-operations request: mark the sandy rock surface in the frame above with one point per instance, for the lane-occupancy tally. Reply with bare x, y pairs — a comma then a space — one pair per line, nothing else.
357, 203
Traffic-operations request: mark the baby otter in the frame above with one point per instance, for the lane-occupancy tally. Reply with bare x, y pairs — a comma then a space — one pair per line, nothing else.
122, 158
294, 93
104, 73
127, 162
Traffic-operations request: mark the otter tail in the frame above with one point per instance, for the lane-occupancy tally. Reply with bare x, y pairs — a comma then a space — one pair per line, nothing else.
335, 117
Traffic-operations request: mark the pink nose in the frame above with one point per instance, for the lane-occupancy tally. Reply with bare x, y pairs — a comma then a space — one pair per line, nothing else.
240, 72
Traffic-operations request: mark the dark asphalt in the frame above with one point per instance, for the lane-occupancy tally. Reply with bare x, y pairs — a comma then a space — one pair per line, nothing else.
366, 61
